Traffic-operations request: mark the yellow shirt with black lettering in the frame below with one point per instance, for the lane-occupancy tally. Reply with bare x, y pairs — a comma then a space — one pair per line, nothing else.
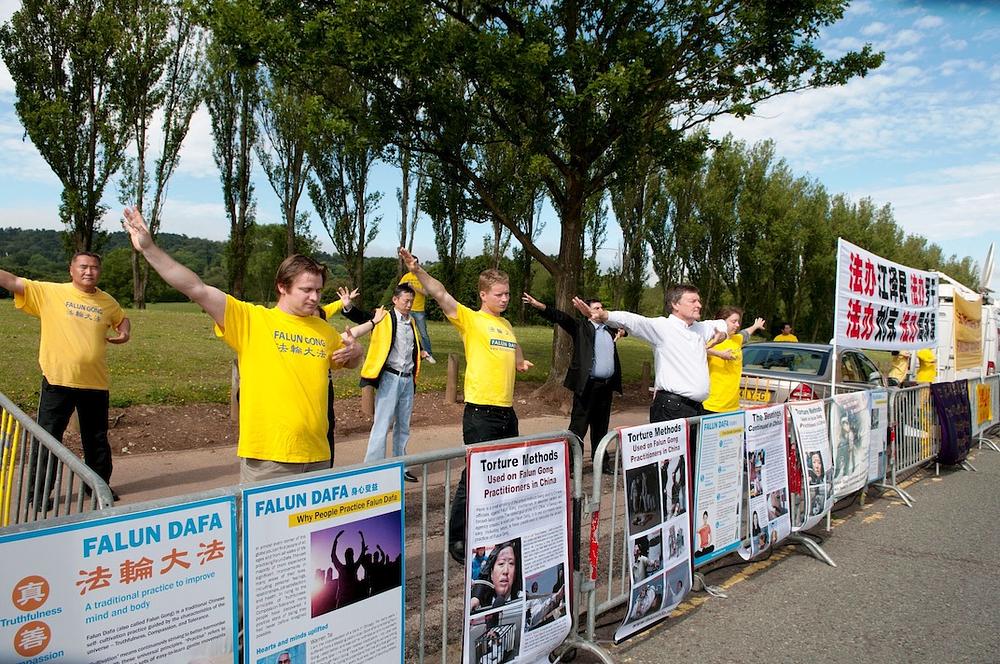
724, 376
284, 363
926, 365
73, 347
490, 357
419, 299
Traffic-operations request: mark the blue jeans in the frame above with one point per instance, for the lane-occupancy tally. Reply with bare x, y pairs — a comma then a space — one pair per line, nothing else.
420, 318
393, 407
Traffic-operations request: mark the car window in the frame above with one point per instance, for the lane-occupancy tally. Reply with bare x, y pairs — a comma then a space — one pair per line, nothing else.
772, 358
849, 369
867, 369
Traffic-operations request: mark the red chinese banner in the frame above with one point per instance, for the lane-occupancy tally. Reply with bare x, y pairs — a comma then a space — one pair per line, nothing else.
883, 305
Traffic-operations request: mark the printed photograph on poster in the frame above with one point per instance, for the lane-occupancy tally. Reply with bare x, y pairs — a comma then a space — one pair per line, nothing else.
647, 556
819, 474
704, 532
777, 504
499, 581
495, 638
676, 586
646, 598
676, 541
850, 419
755, 469
545, 597
355, 563
644, 497
673, 478
812, 438
817, 502
289, 655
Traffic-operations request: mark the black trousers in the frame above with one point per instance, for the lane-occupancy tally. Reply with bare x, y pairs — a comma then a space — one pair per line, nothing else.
479, 424
592, 410
668, 406
55, 406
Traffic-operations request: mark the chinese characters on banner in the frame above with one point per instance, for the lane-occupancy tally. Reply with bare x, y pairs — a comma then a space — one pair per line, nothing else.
850, 434
813, 437
883, 305
718, 487
517, 571
968, 332
984, 403
322, 568
655, 464
155, 585
767, 479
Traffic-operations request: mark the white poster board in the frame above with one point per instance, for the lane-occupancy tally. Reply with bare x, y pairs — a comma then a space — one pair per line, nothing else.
655, 463
153, 585
517, 581
718, 487
879, 400
322, 568
813, 437
767, 479
850, 436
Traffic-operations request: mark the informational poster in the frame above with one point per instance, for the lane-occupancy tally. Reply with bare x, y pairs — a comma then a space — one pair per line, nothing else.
881, 304
968, 332
149, 586
767, 479
323, 567
813, 437
879, 401
850, 435
954, 416
517, 586
984, 405
718, 487
655, 463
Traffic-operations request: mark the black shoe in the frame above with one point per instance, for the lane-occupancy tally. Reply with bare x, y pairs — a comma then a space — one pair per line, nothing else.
114, 496
409, 477
457, 551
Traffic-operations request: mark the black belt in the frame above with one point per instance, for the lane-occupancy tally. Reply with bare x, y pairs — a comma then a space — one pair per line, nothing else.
600, 381
490, 409
401, 374
672, 396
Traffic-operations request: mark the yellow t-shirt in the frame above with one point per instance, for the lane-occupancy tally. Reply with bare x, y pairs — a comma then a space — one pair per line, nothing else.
73, 347
333, 308
927, 365
284, 365
899, 366
419, 299
490, 357
724, 377
786, 337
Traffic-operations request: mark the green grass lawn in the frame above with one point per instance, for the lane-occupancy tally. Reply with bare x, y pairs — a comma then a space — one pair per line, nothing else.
174, 357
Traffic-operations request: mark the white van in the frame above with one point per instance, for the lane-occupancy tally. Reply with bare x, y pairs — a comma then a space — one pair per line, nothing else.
945, 349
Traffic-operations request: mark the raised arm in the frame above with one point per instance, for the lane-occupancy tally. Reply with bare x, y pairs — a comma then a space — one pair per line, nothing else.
434, 288
366, 327
209, 298
351, 312
11, 282
551, 314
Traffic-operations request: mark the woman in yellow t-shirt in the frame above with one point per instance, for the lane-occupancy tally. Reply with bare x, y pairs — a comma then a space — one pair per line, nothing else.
926, 365
725, 362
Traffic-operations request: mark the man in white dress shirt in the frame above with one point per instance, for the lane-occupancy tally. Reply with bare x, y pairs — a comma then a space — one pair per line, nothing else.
679, 343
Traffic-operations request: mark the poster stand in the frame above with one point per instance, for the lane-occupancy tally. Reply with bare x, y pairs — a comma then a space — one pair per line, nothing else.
812, 546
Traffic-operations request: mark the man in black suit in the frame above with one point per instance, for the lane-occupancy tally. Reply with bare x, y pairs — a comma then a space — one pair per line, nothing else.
595, 371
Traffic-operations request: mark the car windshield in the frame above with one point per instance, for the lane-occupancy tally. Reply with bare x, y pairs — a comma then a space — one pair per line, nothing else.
797, 360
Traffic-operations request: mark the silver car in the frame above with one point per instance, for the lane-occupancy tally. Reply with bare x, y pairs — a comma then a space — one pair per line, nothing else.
776, 372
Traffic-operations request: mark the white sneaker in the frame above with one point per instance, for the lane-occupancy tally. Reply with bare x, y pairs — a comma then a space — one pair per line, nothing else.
429, 359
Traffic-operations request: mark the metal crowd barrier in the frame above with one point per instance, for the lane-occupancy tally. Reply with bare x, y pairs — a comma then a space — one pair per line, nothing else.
915, 436
32, 460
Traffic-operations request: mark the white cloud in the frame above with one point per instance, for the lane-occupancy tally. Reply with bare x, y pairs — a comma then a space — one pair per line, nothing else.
876, 28
951, 44
928, 22
196, 153
861, 8
34, 216
206, 220
903, 38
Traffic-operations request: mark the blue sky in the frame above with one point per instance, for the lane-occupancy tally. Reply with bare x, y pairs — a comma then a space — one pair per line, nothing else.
921, 134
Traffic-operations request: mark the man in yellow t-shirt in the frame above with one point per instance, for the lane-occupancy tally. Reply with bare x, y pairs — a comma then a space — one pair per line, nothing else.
75, 319
725, 362
899, 367
419, 314
926, 365
492, 355
786, 333
284, 356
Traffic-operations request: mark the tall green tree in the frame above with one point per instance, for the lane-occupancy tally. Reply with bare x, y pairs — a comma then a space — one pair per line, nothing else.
581, 87
165, 73
67, 61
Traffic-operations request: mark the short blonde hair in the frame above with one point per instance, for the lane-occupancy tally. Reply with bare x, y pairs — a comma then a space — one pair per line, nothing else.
492, 276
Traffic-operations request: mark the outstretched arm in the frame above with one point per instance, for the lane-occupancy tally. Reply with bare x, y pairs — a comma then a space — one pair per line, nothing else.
209, 298
366, 327
434, 288
553, 315
351, 312
11, 282
758, 324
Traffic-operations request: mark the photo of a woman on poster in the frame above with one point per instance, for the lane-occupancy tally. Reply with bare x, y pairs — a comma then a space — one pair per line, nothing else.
673, 477
499, 579
705, 545
755, 524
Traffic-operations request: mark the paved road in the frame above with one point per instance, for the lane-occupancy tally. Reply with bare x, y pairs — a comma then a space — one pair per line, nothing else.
916, 584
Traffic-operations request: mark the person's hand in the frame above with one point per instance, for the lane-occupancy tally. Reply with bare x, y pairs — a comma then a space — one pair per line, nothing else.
583, 307
347, 296
725, 354
524, 365
409, 260
122, 337
620, 334
758, 324
378, 315
137, 229
527, 299
349, 351
717, 338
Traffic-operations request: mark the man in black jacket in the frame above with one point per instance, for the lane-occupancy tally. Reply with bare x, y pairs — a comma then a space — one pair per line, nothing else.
595, 371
